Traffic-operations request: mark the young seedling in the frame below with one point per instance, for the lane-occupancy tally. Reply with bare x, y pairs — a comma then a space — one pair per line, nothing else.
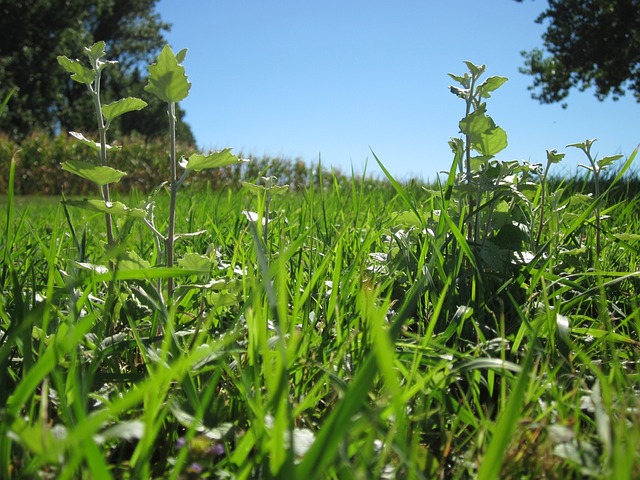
595, 167
481, 134
168, 82
264, 191
553, 157
101, 174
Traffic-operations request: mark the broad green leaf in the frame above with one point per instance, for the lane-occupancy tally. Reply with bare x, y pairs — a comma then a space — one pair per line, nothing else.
464, 80
456, 145
90, 143
278, 189
130, 260
494, 257
510, 237
181, 55
407, 219
122, 106
584, 146
492, 142
95, 173
222, 299
627, 237
37, 438
197, 162
167, 79
96, 51
606, 161
252, 187
489, 85
476, 70
80, 73
194, 261
554, 157
273, 189
114, 208
477, 122
501, 215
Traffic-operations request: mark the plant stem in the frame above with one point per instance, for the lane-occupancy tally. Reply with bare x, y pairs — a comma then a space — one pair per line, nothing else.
467, 144
174, 193
543, 187
596, 181
102, 131
265, 232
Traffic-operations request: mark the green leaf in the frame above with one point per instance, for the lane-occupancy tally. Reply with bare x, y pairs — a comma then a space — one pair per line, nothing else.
273, 189
181, 55
627, 237
197, 162
122, 106
606, 161
114, 208
79, 73
90, 143
584, 146
278, 189
477, 122
476, 70
407, 219
253, 188
96, 51
38, 439
465, 80
554, 157
510, 237
94, 173
492, 142
489, 85
167, 79
195, 261
130, 260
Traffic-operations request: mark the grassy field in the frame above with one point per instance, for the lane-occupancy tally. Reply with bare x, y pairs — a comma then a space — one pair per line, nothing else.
359, 332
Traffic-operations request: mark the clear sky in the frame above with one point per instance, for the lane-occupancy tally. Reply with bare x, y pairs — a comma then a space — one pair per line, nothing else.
337, 79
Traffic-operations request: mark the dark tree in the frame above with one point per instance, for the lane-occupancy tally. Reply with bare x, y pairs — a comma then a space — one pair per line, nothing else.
34, 32
588, 43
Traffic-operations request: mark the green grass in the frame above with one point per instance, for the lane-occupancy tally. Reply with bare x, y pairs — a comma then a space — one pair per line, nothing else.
367, 338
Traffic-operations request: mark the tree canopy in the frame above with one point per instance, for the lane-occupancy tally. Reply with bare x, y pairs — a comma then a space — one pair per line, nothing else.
588, 43
35, 32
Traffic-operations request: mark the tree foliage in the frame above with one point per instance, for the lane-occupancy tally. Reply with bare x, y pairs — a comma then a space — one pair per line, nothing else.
35, 32
588, 43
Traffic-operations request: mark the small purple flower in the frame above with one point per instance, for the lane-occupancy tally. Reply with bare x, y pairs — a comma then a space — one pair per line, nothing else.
180, 443
195, 468
216, 450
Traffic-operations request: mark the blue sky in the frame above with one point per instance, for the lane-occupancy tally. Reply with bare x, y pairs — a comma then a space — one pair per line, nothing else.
336, 79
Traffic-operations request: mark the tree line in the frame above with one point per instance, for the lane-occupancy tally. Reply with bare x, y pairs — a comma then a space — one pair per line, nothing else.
34, 32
